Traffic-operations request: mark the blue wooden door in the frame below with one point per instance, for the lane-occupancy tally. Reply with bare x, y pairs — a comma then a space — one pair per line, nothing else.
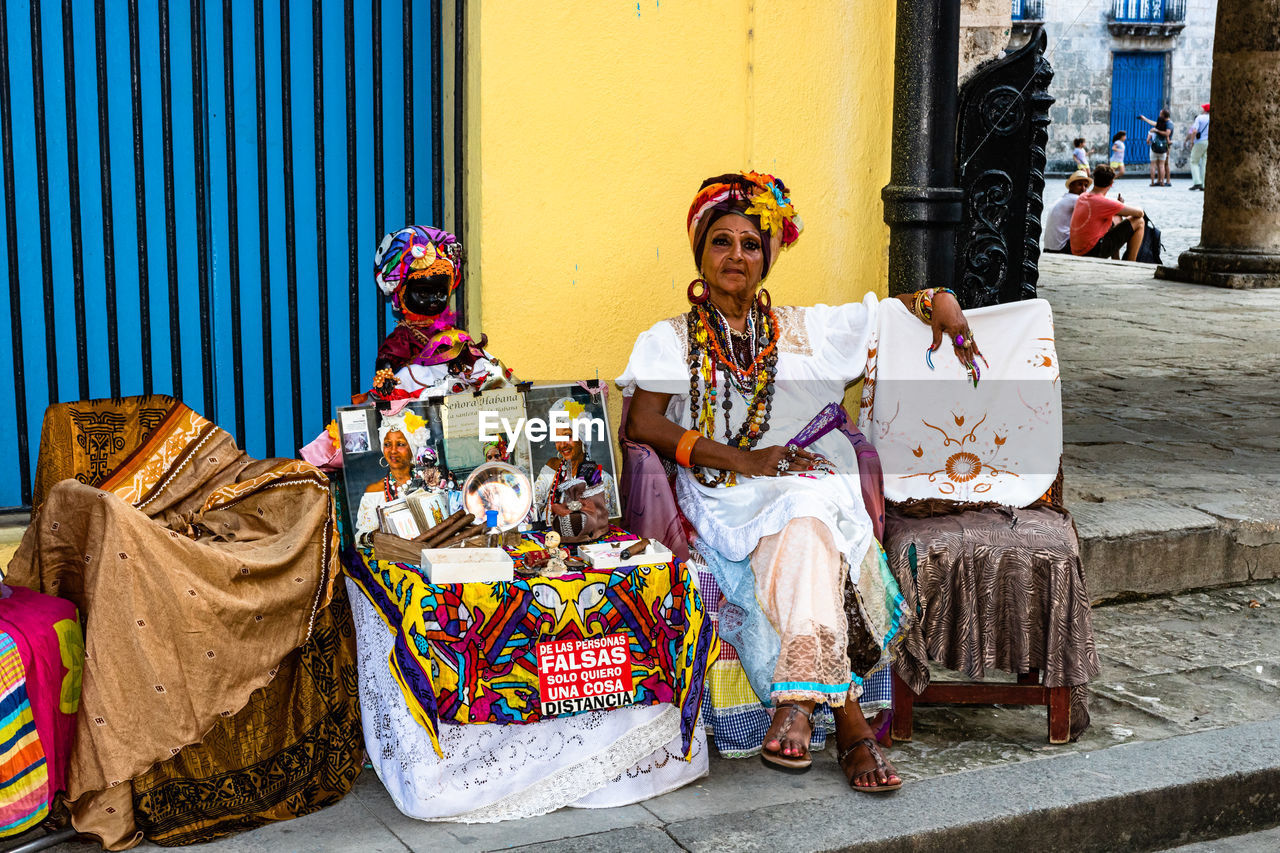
1137, 88
193, 193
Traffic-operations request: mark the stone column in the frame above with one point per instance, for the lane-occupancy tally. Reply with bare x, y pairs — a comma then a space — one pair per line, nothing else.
1240, 232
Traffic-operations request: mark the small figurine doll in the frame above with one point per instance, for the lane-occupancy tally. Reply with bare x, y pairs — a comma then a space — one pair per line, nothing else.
556, 565
419, 268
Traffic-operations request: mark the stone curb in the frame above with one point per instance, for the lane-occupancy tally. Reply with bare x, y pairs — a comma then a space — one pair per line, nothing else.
1145, 546
1134, 797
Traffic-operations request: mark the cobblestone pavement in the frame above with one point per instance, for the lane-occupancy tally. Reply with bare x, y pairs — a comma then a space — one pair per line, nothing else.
1168, 389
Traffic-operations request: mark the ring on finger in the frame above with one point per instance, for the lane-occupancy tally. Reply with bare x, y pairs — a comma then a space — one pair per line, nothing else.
783, 465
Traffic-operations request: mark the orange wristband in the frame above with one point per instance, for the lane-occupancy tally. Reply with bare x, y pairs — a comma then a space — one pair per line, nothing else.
684, 448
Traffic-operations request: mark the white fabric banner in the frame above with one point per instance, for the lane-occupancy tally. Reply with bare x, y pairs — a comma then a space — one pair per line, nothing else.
940, 437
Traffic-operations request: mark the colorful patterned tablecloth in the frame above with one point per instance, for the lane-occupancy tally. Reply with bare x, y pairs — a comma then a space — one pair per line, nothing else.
467, 653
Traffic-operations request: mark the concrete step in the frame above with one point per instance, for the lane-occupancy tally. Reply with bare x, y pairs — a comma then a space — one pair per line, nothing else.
1150, 546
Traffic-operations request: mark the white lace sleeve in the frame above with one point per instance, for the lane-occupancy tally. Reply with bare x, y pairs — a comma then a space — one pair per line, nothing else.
367, 515
657, 363
840, 335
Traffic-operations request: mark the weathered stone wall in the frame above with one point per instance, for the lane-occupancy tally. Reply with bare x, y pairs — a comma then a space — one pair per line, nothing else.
984, 32
1080, 50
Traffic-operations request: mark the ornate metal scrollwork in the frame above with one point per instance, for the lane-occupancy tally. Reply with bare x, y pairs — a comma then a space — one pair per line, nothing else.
1004, 113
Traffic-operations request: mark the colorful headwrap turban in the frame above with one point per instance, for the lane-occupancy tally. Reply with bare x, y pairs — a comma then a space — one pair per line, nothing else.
416, 248
761, 198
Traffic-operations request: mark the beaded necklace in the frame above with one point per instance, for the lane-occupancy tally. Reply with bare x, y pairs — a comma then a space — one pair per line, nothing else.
390, 488
711, 356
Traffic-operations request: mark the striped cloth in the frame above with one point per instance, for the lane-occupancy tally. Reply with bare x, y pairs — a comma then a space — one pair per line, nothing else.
24, 773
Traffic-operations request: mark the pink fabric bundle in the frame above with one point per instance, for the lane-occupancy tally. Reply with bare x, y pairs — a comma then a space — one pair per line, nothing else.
45, 634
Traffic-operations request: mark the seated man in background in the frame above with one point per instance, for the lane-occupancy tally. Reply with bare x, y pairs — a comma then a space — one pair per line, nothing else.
1101, 227
1057, 225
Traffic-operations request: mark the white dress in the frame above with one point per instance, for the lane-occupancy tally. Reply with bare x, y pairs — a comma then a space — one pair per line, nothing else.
821, 350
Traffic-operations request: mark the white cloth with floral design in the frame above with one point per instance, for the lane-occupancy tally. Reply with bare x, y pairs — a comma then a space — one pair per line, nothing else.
940, 437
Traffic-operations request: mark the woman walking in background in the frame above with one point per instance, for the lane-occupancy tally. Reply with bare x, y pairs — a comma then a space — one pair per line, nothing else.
1117, 153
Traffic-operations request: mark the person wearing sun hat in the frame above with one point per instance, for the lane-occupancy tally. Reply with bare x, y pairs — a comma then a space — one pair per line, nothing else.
1057, 225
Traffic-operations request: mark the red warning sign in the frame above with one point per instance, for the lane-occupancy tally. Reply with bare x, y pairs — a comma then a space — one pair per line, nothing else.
584, 675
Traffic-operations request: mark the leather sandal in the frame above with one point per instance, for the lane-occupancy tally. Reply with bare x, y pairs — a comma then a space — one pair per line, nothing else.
786, 763
881, 765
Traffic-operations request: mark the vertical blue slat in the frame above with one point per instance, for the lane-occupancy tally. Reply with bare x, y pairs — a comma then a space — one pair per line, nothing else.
59, 196
14, 427
215, 135
125, 220
357, 273
199, 142
335, 131
28, 278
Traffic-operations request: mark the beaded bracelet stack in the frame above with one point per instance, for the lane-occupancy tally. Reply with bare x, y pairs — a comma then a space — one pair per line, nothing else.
922, 307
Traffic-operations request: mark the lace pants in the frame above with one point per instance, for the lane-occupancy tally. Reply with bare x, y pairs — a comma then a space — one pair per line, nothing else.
799, 583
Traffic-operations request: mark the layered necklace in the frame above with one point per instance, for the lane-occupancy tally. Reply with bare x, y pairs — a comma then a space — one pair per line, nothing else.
723, 362
390, 488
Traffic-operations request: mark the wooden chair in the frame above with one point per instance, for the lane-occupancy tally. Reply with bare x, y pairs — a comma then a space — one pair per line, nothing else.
1029, 688
992, 573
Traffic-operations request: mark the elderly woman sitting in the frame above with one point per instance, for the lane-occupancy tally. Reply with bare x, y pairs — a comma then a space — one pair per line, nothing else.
723, 390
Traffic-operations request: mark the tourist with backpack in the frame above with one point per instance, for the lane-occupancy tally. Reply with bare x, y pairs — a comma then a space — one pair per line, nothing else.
1158, 139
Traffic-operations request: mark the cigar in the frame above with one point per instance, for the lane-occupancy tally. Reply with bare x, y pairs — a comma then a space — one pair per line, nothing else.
446, 530
633, 550
430, 532
463, 534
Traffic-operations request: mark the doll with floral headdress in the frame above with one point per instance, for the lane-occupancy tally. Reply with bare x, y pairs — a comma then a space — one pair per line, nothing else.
419, 268
425, 355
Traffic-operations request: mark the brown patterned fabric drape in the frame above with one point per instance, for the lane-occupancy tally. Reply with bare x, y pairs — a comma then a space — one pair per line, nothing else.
199, 572
995, 589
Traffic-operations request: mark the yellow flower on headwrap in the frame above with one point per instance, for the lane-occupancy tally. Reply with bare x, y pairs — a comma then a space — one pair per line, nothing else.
773, 215
574, 408
413, 422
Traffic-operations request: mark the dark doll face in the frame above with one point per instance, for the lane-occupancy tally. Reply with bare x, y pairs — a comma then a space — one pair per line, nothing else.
427, 295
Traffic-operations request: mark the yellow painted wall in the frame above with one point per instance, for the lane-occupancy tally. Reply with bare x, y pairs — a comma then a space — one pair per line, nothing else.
592, 123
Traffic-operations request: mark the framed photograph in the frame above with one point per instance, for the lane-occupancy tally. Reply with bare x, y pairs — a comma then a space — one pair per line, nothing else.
484, 427
354, 426
584, 434
407, 448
